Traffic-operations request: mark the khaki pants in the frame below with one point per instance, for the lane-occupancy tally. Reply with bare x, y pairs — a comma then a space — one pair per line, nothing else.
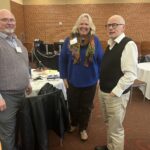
114, 109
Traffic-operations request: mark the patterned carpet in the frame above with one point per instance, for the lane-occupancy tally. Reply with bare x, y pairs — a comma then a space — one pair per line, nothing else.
136, 123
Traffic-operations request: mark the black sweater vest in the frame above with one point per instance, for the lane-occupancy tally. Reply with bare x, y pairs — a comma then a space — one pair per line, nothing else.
111, 66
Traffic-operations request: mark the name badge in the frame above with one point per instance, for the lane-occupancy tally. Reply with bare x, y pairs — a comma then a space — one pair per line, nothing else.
18, 49
73, 41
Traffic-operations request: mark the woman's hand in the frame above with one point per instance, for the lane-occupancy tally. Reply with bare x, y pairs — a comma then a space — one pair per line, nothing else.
66, 83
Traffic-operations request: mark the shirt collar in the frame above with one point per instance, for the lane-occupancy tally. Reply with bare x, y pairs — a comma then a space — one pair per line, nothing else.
116, 40
5, 36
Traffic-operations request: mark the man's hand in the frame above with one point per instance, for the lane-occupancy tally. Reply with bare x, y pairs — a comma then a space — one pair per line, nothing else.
112, 94
2, 104
29, 89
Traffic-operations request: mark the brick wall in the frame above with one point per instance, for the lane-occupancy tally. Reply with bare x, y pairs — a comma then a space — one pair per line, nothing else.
17, 10
42, 21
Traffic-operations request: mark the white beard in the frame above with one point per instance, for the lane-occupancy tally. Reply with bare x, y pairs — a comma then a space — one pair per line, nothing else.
9, 31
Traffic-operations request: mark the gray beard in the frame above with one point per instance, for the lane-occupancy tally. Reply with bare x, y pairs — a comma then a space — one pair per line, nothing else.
9, 31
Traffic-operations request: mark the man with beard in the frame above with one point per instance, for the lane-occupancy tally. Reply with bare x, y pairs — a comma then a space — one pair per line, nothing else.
14, 78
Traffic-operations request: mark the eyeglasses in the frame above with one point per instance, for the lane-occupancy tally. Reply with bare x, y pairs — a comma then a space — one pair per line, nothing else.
113, 25
6, 20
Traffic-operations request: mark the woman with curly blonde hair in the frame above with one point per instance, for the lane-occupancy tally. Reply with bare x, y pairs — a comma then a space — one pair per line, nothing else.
79, 64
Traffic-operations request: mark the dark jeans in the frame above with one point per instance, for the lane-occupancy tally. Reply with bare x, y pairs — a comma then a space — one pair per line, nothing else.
80, 102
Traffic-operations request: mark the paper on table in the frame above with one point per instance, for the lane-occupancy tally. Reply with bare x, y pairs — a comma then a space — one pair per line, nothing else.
45, 73
51, 72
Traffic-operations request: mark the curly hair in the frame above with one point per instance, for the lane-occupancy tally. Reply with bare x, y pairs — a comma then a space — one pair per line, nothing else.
91, 24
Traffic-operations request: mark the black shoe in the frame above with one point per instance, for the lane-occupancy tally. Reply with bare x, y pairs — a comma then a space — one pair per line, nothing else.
101, 147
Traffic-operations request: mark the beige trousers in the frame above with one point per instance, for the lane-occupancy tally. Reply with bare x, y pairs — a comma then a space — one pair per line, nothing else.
114, 109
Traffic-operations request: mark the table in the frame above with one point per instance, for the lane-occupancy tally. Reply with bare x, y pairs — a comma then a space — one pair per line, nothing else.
144, 75
37, 84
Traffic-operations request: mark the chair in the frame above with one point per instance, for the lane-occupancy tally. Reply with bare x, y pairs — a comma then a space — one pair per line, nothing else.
138, 83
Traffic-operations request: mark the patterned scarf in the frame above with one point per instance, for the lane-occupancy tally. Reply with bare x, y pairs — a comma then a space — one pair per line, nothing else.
75, 48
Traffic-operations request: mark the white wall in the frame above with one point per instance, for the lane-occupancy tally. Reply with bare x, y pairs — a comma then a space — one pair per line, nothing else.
46, 2
5, 4
18, 1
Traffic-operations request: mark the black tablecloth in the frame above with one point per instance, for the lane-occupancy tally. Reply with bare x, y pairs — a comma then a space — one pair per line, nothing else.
40, 114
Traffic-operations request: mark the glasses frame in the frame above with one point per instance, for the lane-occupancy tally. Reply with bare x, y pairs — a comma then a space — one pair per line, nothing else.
6, 20
113, 25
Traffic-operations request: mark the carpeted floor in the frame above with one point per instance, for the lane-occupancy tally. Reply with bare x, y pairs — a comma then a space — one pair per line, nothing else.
136, 123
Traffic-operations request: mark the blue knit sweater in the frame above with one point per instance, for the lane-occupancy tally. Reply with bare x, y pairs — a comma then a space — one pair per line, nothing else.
77, 74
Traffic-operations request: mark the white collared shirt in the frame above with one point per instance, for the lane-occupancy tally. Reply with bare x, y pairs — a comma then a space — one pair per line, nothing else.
129, 61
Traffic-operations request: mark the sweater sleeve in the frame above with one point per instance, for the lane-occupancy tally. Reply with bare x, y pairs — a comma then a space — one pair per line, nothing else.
63, 60
100, 53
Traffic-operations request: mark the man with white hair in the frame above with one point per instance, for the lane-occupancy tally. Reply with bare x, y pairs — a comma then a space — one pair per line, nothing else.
118, 72
14, 78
